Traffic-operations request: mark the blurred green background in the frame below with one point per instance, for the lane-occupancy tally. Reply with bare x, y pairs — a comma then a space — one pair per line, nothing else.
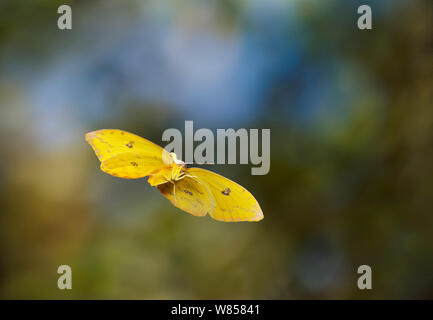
351, 119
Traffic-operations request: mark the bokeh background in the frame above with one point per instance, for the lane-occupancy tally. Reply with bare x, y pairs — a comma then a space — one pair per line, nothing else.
351, 119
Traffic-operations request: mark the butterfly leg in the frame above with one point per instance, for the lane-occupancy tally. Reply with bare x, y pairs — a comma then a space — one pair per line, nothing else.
192, 177
198, 181
174, 192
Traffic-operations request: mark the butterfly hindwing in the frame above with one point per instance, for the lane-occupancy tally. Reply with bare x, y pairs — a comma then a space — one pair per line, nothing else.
228, 200
188, 195
130, 165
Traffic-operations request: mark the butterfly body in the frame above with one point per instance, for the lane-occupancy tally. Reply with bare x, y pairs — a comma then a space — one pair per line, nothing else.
178, 168
194, 190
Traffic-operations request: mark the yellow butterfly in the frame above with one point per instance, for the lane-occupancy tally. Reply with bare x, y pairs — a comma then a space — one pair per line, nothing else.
194, 190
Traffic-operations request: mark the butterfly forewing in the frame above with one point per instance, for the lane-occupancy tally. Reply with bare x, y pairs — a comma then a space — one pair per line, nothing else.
126, 155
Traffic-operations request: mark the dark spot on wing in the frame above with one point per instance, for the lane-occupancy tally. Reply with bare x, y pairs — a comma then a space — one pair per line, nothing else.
121, 132
226, 191
134, 164
129, 145
188, 192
